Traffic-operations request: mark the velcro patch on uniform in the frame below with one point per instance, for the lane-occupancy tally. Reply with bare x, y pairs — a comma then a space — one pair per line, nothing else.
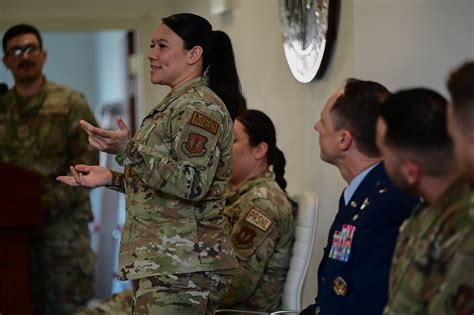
52, 109
204, 122
23, 132
461, 302
195, 145
258, 219
244, 238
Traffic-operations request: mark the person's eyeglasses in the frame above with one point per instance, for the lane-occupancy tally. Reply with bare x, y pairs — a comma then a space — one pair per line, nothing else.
17, 52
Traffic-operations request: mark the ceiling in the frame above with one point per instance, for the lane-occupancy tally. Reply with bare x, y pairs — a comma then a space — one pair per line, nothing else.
78, 12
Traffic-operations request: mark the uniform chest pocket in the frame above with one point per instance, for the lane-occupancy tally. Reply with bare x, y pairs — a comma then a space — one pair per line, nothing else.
143, 134
7, 138
53, 131
5, 130
424, 254
154, 133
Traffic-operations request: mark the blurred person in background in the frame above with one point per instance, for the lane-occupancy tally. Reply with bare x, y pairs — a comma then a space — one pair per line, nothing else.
40, 131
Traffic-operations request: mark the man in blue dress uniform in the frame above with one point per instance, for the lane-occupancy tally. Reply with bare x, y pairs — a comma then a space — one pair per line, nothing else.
353, 274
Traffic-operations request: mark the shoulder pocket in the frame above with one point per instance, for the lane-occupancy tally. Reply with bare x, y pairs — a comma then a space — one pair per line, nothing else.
198, 138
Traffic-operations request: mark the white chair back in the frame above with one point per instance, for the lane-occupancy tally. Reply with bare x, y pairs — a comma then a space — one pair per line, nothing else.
305, 233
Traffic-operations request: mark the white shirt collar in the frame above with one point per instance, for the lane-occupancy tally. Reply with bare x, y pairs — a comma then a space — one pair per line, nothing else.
355, 182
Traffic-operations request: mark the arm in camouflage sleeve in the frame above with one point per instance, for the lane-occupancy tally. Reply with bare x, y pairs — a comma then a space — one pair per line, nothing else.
456, 287
253, 248
117, 183
190, 171
79, 151
269, 289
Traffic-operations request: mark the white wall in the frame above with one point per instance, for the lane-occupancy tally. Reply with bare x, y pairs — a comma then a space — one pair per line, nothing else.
399, 42
111, 70
72, 61
412, 43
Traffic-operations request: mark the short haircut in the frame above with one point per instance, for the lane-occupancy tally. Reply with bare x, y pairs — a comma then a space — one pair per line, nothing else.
416, 123
357, 109
461, 87
20, 29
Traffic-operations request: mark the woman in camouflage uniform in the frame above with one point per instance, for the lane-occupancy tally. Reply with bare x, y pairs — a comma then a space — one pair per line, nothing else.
260, 216
174, 246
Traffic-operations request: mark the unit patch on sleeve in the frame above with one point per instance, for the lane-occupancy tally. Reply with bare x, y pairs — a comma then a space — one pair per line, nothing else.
244, 238
195, 145
204, 122
258, 219
462, 302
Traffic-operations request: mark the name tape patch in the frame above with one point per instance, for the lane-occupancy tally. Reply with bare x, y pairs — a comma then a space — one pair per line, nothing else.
204, 122
259, 220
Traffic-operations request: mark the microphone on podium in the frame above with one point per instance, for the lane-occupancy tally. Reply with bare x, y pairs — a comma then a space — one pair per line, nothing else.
3, 88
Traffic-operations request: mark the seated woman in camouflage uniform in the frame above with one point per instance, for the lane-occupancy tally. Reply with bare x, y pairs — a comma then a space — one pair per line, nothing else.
260, 215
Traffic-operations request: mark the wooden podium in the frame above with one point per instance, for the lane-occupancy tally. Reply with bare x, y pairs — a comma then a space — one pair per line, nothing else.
20, 209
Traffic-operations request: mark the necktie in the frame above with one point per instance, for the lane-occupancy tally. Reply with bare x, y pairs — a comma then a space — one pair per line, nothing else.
342, 203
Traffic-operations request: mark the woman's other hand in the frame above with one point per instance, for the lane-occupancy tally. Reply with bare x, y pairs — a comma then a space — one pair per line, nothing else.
90, 176
109, 141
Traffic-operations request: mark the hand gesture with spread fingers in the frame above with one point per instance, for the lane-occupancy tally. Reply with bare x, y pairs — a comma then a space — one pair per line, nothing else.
109, 141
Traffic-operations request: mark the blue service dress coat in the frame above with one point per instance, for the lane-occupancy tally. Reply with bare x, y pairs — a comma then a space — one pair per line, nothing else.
354, 272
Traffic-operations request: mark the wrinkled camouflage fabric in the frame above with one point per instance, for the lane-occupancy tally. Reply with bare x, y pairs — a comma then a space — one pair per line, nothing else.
433, 265
118, 304
42, 134
194, 293
261, 223
177, 168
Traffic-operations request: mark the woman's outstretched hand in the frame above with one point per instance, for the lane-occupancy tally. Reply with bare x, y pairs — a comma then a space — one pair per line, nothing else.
109, 141
90, 176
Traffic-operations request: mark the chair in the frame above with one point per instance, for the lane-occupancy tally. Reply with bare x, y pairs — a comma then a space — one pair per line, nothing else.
305, 233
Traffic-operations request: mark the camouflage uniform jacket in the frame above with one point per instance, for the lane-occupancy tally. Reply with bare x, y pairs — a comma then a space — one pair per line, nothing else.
261, 223
433, 264
42, 133
118, 304
177, 167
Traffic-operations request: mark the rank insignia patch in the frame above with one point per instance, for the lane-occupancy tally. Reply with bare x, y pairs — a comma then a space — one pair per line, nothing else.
365, 203
204, 122
342, 243
195, 145
258, 219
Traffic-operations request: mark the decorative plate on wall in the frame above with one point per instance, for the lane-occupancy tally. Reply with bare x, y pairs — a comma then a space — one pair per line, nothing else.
308, 28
